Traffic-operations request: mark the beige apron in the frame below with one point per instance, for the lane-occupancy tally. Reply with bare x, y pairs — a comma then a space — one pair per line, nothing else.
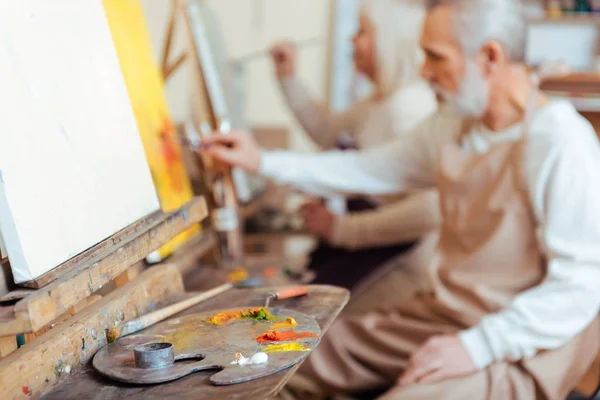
395, 281
487, 254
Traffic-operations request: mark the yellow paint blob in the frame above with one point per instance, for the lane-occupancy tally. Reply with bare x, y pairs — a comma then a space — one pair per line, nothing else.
285, 347
239, 274
288, 323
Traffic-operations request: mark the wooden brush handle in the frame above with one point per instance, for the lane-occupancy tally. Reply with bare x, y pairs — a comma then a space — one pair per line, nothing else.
292, 292
152, 318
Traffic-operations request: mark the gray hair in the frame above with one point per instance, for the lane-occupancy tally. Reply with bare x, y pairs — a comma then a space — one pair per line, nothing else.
479, 21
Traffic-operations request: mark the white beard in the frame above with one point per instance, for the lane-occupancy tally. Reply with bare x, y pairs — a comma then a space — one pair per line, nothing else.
472, 97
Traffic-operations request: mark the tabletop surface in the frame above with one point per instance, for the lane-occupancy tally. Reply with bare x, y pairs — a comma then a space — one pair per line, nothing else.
323, 303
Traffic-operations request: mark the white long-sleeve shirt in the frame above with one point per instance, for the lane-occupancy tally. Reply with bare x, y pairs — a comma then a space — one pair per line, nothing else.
562, 171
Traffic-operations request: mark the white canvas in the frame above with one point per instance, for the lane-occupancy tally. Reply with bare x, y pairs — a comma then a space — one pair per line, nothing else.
72, 166
3, 253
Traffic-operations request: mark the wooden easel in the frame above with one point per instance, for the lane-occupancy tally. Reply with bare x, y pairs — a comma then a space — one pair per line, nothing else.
214, 111
63, 319
169, 69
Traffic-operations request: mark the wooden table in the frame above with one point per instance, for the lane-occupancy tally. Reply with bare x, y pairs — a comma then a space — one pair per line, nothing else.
324, 303
262, 252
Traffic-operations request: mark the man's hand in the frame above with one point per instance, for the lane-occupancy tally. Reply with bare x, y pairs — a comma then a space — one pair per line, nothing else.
440, 358
318, 220
284, 58
236, 148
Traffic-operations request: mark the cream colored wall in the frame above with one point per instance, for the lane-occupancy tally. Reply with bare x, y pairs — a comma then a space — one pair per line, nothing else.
249, 26
178, 87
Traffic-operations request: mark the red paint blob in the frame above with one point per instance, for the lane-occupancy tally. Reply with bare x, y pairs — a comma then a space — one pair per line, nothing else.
287, 336
25, 389
270, 272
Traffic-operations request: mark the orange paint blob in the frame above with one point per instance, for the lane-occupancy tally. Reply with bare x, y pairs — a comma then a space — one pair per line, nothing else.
287, 336
225, 318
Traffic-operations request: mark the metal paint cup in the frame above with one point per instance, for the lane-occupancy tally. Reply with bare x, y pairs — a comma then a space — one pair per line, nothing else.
154, 355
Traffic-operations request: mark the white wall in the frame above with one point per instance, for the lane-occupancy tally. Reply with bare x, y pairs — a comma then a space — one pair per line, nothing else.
249, 26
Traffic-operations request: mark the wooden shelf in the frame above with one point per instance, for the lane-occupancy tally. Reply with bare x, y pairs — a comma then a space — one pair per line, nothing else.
581, 89
568, 19
577, 82
581, 84
579, 78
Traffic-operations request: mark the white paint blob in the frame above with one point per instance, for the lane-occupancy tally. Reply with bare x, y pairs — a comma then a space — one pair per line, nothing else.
258, 358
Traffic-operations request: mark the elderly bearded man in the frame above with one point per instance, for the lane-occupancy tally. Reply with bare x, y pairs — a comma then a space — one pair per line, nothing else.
516, 277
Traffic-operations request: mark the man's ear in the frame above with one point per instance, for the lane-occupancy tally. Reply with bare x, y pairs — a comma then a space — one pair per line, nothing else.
492, 55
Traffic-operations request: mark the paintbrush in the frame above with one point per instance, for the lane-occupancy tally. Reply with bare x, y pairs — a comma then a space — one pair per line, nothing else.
260, 53
192, 138
286, 294
136, 325
197, 147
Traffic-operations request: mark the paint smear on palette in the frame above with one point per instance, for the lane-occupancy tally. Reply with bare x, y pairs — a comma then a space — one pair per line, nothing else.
288, 323
285, 347
287, 336
259, 314
227, 317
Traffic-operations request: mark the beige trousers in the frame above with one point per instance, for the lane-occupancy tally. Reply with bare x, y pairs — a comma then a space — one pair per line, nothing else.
368, 353
497, 382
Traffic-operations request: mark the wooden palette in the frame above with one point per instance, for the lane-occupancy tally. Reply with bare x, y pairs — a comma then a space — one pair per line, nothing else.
201, 346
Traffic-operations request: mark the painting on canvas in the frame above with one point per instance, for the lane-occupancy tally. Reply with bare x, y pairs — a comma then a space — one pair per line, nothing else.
72, 166
146, 91
222, 96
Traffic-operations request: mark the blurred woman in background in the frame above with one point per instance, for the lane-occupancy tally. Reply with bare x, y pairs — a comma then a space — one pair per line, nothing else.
387, 52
